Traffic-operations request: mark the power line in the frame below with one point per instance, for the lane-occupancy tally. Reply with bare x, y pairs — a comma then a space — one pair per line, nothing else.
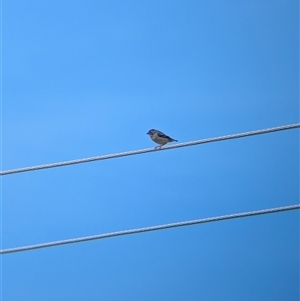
148, 150
151, 228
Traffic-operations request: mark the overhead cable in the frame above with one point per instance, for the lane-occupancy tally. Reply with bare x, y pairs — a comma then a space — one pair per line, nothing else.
148, 150
148, 229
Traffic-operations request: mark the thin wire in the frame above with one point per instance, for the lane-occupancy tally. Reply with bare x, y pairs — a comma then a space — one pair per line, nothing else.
148, 150
148, 229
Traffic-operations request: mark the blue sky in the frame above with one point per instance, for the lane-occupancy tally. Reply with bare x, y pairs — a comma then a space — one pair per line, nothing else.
89, 78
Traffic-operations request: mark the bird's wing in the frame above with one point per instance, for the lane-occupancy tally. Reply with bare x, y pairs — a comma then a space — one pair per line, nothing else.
162, 135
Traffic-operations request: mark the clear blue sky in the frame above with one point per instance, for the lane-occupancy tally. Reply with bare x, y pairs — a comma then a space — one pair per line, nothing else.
89, 78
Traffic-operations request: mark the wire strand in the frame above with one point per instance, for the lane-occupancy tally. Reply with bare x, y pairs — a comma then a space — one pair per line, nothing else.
151, 228
148, 150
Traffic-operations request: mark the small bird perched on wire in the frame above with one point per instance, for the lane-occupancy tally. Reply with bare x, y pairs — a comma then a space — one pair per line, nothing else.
160, 138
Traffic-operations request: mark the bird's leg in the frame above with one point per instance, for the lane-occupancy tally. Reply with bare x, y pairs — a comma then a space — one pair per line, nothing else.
159, 147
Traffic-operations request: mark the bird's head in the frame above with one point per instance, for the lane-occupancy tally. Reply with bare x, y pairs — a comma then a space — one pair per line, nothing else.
151, 132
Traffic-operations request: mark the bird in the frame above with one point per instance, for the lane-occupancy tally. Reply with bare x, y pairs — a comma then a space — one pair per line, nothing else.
160, 138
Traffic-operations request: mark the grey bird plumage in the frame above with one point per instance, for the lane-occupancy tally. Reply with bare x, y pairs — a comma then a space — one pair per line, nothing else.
159, 137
